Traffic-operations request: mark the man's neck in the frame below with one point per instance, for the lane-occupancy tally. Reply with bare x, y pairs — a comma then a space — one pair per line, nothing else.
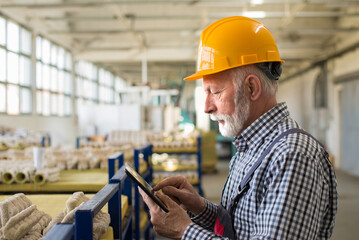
258, 108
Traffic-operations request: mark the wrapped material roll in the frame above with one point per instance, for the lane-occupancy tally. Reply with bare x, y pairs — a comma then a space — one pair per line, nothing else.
74, 201
21, 171
3, 154
46, 175
100, 224
72, 163
32, 235
94, 162
8, 177
42, 223
24, 175
21, 223
16, 154
83, 162
57, 219
70, 216
12, 206
103, 163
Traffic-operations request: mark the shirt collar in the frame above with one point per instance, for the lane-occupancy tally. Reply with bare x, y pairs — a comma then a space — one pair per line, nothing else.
260, 128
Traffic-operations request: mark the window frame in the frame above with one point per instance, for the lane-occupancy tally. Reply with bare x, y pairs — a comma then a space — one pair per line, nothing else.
65, 72
20, 54
30, 62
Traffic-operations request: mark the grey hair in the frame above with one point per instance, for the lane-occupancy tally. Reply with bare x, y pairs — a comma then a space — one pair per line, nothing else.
239, 73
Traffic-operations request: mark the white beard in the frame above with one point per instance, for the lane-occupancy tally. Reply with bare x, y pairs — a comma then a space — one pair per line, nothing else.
233, 124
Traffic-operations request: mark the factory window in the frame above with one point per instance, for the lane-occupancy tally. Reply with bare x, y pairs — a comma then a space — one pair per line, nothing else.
120, 84
86, 81
2, 31
106, 87
2, 98
86, 84
53, 79
15, 68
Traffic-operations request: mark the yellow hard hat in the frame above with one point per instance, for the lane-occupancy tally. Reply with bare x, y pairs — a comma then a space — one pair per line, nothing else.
232, 42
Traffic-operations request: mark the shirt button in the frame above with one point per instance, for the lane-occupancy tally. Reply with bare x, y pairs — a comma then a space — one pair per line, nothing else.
241, 154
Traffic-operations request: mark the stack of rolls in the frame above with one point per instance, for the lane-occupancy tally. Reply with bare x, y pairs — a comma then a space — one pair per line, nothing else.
23, 171
20, 219
100, 222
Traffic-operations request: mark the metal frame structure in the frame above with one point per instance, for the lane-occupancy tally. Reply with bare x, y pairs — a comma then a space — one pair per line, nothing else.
147, 231
111, 194
199, 160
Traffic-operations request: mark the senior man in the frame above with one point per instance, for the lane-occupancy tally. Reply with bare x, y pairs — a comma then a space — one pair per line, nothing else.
281, 184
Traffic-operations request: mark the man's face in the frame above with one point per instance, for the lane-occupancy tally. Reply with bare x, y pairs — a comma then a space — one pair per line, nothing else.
226, 104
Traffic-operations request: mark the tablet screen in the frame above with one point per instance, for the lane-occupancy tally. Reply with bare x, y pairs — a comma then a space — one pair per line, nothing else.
144, 186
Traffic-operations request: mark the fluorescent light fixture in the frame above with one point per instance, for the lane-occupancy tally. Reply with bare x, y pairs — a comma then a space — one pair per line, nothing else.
254, 14
256, 2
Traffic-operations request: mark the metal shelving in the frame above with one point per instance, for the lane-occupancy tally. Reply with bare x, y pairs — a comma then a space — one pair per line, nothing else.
118, 184
196, 151
147, 231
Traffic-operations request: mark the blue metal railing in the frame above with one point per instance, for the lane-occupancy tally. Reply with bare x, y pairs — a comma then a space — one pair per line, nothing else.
147, 154
111, 193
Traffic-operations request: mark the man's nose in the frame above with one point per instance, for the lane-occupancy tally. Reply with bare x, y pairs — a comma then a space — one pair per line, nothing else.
209, 106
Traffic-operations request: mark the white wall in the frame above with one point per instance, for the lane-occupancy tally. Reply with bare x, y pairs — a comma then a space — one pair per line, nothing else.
63, 130
299, 92
107, 118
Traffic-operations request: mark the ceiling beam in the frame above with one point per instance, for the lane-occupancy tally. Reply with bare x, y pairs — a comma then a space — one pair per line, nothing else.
291, 46
300, 30
128, 23
202, 3
319, 31
95, 3
81, 18
110, 32
114, 17
269, 15
316, 14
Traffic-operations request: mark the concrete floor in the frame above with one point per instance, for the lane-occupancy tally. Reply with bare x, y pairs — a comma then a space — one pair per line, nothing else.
347, 220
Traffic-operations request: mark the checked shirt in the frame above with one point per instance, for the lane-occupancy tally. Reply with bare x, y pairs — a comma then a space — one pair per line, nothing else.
292, 195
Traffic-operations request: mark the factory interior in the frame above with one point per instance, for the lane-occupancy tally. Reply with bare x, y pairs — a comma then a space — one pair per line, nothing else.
88, 87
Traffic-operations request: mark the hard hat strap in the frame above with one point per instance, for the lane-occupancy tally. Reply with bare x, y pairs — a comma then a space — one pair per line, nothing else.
272, 70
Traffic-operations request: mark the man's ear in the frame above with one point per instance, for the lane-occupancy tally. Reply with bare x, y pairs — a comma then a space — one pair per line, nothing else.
254, 87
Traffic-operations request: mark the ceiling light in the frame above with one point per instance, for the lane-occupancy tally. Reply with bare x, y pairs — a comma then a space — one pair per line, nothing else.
254, 14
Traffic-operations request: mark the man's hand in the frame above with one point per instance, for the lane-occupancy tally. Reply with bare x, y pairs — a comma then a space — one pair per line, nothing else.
182, 192
171, 224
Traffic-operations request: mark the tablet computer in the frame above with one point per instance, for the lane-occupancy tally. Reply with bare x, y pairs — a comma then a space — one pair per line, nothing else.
144, 186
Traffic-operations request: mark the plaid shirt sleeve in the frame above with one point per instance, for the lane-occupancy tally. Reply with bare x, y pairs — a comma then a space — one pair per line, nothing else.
194, 231
207, 217
202, 224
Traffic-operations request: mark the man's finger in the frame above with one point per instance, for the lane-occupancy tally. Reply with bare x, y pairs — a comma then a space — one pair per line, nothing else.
172, 192
171, 181
166, 200
150, 203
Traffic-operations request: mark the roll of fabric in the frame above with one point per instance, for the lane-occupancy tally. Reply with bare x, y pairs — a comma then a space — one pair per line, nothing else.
21, 223
46, 175
8, 177
12, 206
24, 175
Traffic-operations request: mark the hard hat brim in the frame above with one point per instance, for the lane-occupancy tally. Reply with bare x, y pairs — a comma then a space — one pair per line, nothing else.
200, 74
194, 76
